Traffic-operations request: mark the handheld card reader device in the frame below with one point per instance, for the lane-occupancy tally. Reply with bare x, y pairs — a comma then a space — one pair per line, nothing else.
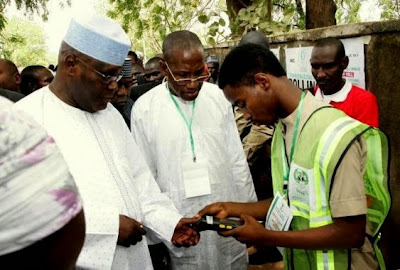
217, 224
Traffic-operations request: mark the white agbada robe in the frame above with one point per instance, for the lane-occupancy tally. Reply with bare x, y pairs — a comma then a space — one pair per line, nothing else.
163, 137
112, 177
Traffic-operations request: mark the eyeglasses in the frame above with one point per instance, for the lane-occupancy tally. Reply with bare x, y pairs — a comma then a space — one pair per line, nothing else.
183, 82
107, 79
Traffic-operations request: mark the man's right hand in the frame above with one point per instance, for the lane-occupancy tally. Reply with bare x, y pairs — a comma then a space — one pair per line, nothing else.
130, 231
218, 210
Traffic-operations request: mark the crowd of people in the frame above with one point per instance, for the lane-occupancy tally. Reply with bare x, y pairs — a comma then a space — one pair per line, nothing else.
106, 163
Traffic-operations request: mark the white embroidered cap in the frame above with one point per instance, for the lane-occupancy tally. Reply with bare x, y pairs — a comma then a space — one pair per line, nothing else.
100, 38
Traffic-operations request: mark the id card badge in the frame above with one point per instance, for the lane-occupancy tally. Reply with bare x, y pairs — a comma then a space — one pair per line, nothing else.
279, 216
195, 176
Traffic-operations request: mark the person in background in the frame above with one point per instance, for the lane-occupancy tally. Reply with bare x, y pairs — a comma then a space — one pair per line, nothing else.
330, 192
186, 131
41, 216
10, 79
213, 67
135, 59
121, 100
255, 37
152, 70
121, 199
328, 61
34, 78
137, 71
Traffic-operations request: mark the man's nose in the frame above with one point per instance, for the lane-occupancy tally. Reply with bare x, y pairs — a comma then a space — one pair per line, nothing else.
321, 73
113, 86
193, 84
246, 114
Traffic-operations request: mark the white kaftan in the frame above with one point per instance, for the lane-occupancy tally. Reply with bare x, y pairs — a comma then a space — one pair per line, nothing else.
112, 178
163, 137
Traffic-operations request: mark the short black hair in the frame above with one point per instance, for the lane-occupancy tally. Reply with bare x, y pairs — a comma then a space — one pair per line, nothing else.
134, 55
331, 41
29, 76
155, 59
255, 37
180, 40
243, 62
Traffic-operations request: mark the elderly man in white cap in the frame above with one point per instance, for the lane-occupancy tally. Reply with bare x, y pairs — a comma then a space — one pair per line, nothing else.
120, 197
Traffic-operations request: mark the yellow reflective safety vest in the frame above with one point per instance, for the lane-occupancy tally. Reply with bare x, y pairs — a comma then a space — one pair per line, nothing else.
322, 142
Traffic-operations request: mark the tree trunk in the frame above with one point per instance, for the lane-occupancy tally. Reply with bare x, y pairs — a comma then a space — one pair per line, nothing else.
320, 13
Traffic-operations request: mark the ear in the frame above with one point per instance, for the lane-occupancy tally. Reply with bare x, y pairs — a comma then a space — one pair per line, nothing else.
164, 68
18, 78
263, 80
345, 62
70, 64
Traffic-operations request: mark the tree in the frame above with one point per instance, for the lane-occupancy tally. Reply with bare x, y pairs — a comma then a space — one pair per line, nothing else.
320, 13
390, 9
29, 6
23, 42
151, 20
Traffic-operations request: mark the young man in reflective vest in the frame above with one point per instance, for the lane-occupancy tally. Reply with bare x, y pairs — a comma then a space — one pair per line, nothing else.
329, 172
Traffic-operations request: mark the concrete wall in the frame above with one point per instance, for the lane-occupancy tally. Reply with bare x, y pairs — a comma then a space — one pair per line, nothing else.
382, 56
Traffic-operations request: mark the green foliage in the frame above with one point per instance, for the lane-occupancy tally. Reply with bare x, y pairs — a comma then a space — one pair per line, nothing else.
284, 17
29, 6
390, 9
23, 42
348, 11
149, 21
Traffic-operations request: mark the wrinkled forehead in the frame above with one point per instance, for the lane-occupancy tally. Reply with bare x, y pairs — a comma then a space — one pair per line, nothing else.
178, 56
324, 53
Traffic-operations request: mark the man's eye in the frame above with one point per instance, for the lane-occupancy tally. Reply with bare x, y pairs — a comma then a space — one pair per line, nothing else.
329, 65
241, 104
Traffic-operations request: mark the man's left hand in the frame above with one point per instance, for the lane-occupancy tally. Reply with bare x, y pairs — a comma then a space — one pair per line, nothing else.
249, 233
184, 234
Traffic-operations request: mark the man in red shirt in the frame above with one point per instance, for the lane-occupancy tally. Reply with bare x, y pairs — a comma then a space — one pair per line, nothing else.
328, 61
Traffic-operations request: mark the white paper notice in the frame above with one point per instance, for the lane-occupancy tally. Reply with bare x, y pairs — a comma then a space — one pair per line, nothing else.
195, 177
279, 216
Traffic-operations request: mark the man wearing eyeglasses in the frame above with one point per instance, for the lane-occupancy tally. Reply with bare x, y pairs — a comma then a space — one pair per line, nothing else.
120, 197
186, 130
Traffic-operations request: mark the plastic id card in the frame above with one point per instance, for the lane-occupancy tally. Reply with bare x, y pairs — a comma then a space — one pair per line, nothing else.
195, 176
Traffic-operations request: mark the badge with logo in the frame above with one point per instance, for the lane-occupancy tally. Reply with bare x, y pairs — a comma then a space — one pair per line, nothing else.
299, 183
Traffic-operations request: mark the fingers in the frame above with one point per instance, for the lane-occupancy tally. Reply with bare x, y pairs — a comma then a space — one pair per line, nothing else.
141, 229
186, 238
211, 209
228, 233
189, 221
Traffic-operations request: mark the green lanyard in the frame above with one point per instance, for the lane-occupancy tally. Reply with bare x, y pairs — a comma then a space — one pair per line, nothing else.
286, 167
188, 123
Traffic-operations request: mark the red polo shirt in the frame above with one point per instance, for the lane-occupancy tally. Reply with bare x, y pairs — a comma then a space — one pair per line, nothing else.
359, 104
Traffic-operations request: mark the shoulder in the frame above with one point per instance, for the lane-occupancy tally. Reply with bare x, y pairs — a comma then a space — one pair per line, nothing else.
11, 95
32, 103
362, 94
213, 93
151, 99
